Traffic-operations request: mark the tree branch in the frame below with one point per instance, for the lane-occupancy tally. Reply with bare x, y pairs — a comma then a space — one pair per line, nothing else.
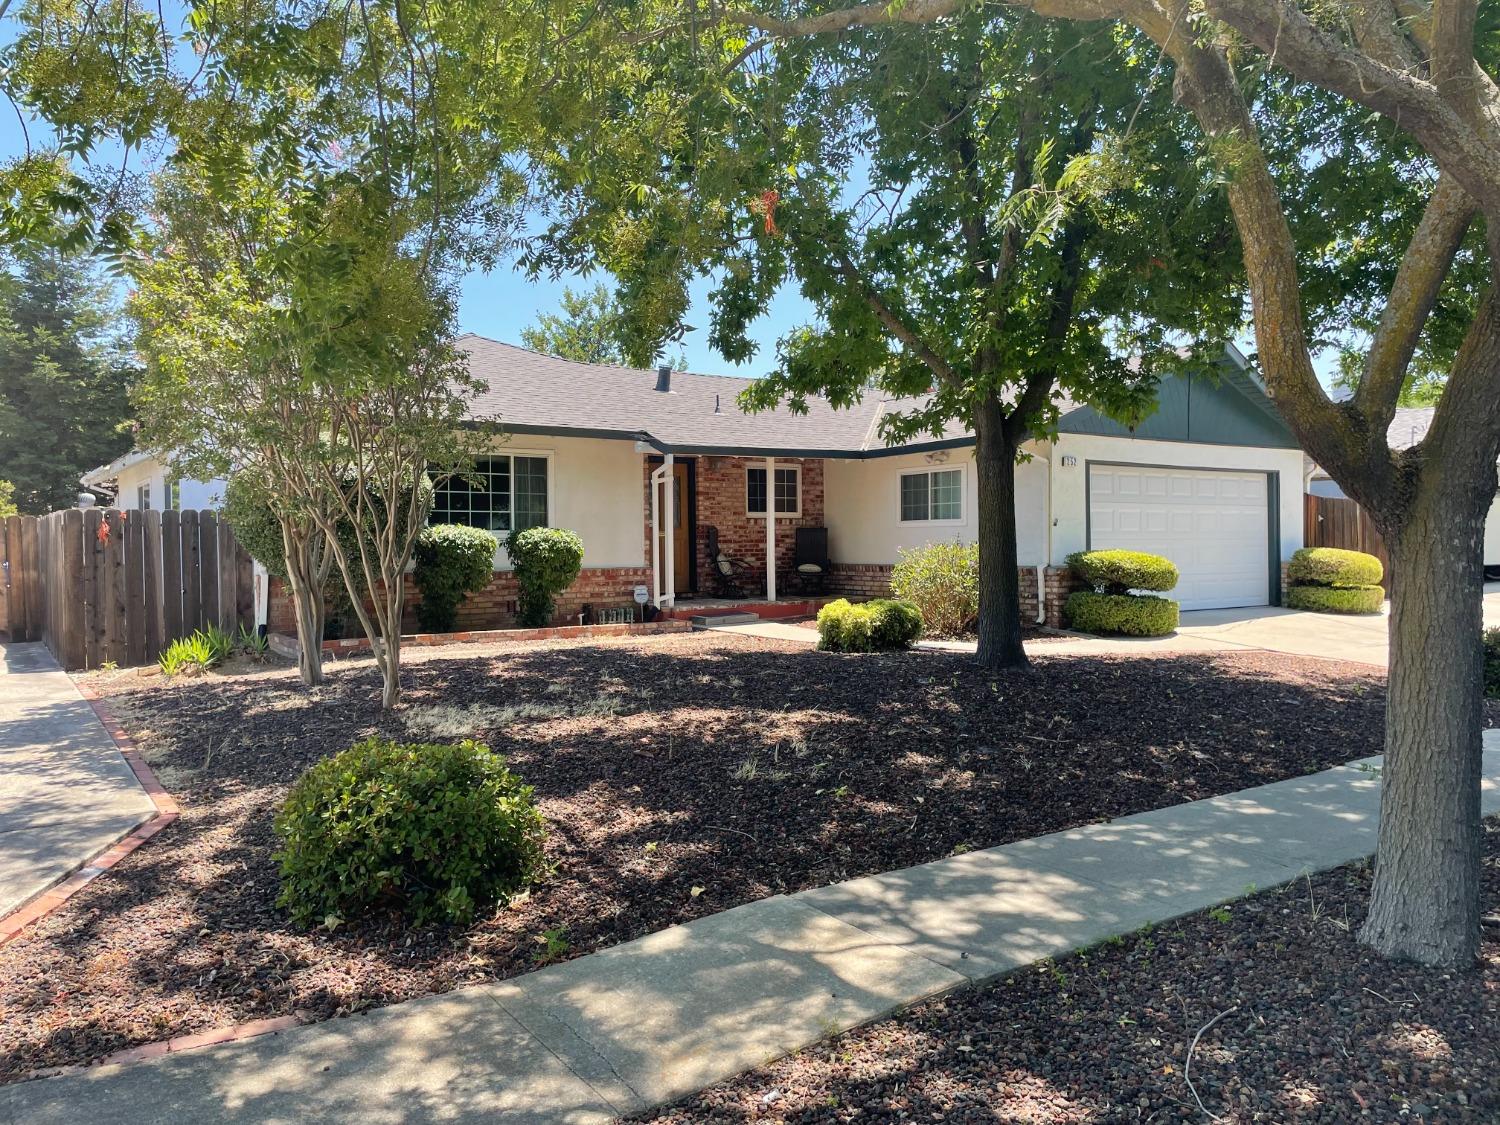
1420, 277
894, 324
1451, 49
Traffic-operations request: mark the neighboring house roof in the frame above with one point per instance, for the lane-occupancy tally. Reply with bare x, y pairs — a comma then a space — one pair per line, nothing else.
105, 474
527, 392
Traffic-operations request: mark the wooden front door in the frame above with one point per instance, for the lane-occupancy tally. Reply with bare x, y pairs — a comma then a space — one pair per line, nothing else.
682, 527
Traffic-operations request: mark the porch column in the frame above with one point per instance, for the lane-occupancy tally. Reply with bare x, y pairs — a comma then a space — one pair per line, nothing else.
669, 529
655, 483
771, 529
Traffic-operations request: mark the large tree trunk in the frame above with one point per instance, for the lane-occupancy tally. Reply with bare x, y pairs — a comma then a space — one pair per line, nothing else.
1425, 901
999, 582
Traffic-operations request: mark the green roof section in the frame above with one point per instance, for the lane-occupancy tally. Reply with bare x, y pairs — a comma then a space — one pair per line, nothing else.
1225, 406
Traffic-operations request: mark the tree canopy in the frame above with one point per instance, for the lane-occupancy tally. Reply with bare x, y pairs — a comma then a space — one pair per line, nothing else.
590, 327
65, 377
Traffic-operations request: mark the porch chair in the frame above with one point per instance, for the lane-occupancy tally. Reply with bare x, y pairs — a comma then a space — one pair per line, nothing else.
727, 568
811, 558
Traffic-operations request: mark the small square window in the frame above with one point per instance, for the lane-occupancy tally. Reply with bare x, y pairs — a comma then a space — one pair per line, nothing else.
788, 491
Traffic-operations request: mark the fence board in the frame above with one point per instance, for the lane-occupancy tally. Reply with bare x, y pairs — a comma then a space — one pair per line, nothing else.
208, 566
74, 651
116, 600
31, 580
192, 605
244, 589
135, 601
93, 610
228, 577
5, 625
43, 559
151, 620
171, 577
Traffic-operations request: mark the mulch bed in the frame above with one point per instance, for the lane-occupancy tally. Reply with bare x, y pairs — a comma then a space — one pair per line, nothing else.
1317, 1029
744, 767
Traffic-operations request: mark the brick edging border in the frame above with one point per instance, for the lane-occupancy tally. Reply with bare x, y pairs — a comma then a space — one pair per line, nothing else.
167, 811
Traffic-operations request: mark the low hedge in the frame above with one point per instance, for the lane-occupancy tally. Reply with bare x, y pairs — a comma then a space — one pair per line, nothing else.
942, 581
1134, 615
874, 626
1333, 566
439, 832
1336, 599
1118, 572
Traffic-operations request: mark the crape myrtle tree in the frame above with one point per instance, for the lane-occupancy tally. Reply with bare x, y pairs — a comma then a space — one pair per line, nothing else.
982, 215
1429, 70
327, 156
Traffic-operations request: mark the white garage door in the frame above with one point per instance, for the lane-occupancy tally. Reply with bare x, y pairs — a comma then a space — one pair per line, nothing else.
1213, 525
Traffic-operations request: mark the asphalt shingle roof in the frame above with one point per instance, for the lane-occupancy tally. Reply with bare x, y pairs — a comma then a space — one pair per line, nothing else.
525, 390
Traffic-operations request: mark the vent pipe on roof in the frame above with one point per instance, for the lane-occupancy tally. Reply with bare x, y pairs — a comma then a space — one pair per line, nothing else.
664, 378
716, 405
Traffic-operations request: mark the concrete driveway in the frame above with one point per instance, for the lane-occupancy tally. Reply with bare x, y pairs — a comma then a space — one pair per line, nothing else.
1361, 639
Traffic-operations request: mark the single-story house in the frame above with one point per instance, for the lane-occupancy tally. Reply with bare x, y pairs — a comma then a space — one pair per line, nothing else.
1408, 427
139, 481
1213, 480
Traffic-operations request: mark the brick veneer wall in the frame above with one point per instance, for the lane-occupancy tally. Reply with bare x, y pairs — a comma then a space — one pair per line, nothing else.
721, 504
495, 605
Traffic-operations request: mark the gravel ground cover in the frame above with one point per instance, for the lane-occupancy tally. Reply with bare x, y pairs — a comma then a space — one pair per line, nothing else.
680, 775
1294, 1022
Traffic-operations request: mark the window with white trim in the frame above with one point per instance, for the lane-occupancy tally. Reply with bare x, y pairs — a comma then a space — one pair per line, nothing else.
932, 496
788, 490
174, 495
143, 497
504, 494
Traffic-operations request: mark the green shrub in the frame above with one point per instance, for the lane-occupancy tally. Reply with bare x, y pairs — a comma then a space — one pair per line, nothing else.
452, 561
880, 625
196, 653
1330, 566
1336, 599
942, 581
1492, 663
436, 831
546, 560
1119, 572
1134, 615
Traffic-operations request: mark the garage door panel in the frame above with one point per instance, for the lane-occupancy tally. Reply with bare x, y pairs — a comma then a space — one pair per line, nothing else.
1213, 525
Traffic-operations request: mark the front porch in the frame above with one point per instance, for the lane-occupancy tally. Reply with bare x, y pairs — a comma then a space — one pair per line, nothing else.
685, 609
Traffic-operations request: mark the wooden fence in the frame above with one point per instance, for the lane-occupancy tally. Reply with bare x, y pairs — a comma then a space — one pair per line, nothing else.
1339, 522
107, 585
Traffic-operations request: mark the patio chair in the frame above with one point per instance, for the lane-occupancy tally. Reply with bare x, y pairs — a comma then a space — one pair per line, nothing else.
811, 558
727, 568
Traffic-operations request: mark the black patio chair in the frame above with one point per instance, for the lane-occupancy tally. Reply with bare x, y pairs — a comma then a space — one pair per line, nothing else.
811, 558
727, 568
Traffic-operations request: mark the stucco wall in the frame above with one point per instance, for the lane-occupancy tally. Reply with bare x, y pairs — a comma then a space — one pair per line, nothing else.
594, 488
1069, 497
864, 515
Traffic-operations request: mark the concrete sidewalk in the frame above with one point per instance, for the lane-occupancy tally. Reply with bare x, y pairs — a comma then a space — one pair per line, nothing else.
66, 794
655, 1019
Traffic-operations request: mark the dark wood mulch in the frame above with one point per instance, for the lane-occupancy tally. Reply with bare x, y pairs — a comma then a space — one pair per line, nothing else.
1317, 1029
744, 767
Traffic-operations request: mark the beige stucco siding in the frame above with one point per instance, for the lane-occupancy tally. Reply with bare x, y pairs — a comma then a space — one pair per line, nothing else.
862, 506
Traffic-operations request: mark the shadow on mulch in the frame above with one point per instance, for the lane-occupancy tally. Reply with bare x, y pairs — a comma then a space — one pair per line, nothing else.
1313, 1028
745, 767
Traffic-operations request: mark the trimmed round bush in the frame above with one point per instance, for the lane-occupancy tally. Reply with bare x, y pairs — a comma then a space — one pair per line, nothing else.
1133, 615
1336, 599
452, 562
436, 831
1332, 566
942, 581
880, 625
1118, 572
546, 560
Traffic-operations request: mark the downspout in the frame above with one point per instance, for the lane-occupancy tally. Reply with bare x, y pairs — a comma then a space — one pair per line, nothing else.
1041, 571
